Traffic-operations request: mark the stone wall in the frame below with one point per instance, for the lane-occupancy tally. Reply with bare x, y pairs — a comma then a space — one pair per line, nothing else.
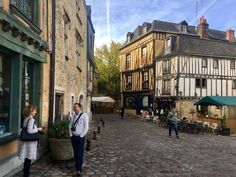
71, 73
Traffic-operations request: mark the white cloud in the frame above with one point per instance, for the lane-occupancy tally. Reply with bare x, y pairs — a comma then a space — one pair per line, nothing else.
125, 16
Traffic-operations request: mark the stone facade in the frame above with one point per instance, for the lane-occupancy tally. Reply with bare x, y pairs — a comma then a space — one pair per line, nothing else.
70, 56
25, 45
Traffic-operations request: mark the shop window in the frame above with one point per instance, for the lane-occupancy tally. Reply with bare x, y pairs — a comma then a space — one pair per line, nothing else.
130, 102
5, 89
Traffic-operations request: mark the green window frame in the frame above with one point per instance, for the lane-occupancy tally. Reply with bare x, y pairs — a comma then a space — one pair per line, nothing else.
28, 10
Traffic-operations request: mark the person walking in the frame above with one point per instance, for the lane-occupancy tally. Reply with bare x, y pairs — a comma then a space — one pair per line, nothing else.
28, 149
78, 128
173, 121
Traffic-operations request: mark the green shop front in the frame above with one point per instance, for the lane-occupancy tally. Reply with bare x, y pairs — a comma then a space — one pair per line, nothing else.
22, 54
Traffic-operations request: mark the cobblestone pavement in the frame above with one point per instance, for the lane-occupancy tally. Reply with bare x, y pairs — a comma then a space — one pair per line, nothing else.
131, 148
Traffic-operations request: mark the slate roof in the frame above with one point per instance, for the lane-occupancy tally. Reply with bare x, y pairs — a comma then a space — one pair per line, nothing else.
162, 26
205, 47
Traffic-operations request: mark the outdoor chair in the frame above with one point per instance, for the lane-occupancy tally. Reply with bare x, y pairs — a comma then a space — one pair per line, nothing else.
214, 127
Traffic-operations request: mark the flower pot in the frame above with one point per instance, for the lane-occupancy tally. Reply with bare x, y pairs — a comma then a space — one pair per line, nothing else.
61, 149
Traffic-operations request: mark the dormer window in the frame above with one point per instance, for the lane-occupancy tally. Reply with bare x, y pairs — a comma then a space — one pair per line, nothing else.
144, 29
128, 38
184, 28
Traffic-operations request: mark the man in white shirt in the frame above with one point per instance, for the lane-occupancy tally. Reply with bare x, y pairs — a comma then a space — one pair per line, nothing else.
78, 127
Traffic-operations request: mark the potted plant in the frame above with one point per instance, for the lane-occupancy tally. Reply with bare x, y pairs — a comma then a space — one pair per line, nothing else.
59, 141
224, 130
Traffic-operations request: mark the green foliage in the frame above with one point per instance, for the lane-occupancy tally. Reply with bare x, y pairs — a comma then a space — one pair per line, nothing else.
108, 66
60, 130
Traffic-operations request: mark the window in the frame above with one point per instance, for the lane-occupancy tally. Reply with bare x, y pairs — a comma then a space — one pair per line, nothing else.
201, 83
215, 63
184, 28
144, 52
144, 29
198, 82
166, 87
129, 82
204, 62
232, 64
78, 13
5, 101
145, 101
204, 83
28, 10
143, 56
166, 67
59, 102
91, 42
234, 84
66, 31
72, 104
81, 100
27, 84
145, 76
128, 38
128, 61
79, 45
129, 79
168, 45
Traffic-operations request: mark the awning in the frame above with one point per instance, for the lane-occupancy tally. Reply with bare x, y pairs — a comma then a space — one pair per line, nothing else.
104, 99
217, 101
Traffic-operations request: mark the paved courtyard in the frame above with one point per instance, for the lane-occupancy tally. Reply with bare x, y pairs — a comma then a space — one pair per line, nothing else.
131, 148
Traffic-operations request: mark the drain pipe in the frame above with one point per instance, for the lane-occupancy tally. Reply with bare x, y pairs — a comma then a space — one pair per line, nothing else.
52, 65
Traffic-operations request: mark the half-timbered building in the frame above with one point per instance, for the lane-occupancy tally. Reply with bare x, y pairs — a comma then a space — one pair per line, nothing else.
137, 68
164, 63
195, 63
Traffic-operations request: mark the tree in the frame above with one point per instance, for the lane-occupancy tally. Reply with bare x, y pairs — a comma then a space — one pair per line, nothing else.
107, 65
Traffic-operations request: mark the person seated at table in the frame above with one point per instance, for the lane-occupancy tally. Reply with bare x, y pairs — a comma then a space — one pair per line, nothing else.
173, 118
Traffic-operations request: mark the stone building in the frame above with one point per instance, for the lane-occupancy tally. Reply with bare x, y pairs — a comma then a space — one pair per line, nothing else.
24, 72
72, 60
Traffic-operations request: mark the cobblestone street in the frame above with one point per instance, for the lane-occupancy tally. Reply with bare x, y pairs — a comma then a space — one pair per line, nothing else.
131, 148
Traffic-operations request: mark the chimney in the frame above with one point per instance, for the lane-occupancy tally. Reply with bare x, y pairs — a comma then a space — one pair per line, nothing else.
203, 27
230, 35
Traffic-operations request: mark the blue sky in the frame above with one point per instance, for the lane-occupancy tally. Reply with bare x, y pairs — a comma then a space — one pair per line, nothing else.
112, 19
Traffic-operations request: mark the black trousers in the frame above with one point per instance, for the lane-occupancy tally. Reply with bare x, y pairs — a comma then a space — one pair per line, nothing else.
27, 164
78, 148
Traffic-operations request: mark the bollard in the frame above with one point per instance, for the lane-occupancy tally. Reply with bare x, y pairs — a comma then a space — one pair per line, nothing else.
88, 145
94, 136
103, 123
98, 130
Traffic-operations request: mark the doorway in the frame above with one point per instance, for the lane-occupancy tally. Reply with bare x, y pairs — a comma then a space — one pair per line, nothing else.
59, 106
